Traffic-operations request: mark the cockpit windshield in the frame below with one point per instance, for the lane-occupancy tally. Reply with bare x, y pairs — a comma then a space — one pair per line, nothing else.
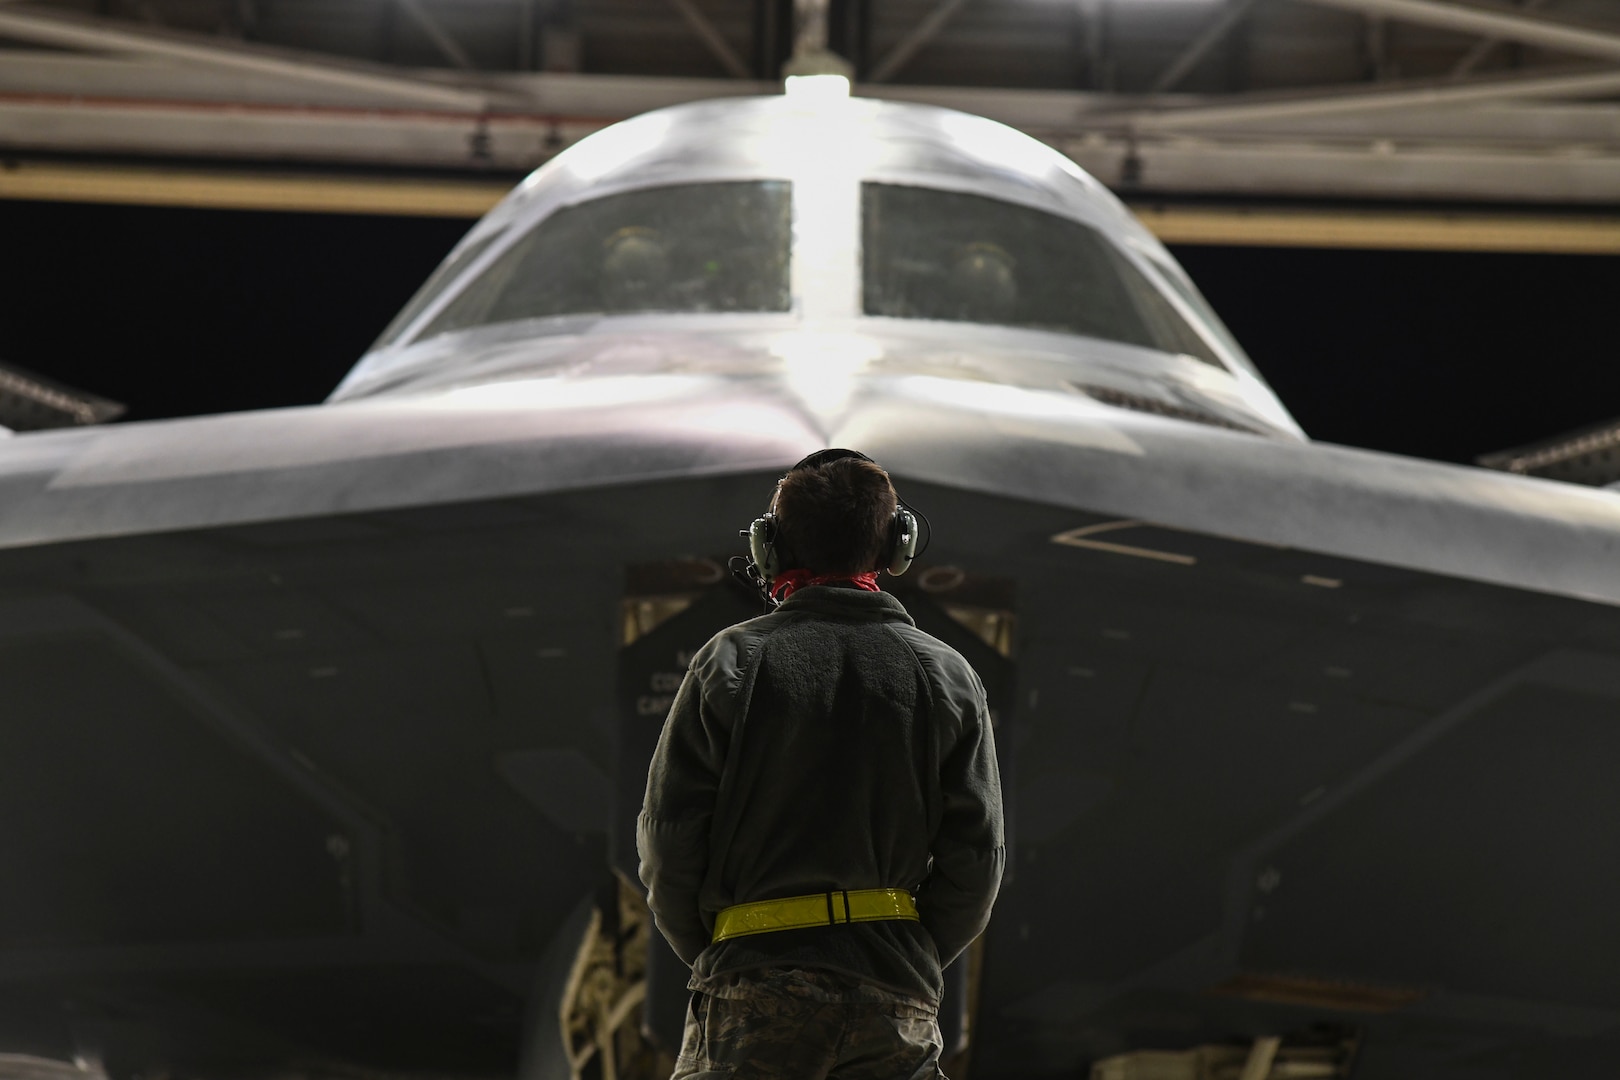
441, 279
715, 247
931, 254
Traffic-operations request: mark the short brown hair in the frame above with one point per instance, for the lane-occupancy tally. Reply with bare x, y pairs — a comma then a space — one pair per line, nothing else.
835, 518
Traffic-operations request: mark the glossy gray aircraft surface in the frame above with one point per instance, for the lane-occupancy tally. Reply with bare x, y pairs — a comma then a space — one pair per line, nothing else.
319, 727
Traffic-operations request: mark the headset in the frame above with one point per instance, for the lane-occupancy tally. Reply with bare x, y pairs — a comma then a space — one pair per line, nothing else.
763, 564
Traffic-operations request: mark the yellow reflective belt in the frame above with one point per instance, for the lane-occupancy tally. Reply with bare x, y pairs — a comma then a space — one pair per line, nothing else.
817, 909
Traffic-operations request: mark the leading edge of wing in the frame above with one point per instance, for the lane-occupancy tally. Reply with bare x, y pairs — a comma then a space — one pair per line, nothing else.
1456, 521
511, 439
1061, 449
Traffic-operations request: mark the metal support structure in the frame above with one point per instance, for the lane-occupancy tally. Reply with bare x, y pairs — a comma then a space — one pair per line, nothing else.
1379, 67
30, 402
858, 19
386, 31
528, 27
447, 45
99, 34
1482, 49
920, 35
1258, 1066
1096, 15
240, 19
1504, 24
1213, 35
562, 46
811, 56
809, 27
1394, 96
1589, 233
766, 38
717, 45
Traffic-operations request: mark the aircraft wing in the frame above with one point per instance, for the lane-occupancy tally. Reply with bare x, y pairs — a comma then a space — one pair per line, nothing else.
1063, 450
486, 442
318, 725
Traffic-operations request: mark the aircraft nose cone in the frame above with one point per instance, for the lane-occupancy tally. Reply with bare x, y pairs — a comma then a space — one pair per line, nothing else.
824, 370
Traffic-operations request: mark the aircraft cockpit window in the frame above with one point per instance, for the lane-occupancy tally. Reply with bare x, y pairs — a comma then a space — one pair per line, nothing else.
715, 247
931, 254
441, 278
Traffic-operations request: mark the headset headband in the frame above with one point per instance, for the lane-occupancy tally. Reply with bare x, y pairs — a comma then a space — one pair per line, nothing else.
822, 457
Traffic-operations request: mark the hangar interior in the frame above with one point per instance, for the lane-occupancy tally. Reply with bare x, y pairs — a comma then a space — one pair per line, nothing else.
241, 654
1375, 123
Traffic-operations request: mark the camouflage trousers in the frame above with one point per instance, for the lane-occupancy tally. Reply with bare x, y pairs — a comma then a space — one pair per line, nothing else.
804, 1024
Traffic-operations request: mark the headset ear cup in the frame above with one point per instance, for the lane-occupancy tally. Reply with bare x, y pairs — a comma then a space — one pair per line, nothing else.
905, 542
762, 546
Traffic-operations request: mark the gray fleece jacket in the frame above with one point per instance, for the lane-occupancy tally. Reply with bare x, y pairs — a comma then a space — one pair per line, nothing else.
828, 745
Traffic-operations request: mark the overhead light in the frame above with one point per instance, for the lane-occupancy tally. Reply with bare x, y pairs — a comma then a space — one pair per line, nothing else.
814, 74
817, 87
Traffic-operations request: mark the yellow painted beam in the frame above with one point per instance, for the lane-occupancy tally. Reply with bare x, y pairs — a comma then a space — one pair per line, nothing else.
317, 193
1432, 230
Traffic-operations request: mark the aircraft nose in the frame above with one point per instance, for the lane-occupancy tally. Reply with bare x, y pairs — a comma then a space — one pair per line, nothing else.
823, 369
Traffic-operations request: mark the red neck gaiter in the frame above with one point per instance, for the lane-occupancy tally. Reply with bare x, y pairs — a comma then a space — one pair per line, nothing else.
790, 581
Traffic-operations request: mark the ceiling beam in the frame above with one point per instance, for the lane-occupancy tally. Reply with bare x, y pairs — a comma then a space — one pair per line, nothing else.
132, 95
1374, 171
105, 35
1483, 48
1258, 226
1501, 23
711, 37
920, 35
1213, 35
448, 46
1445, 93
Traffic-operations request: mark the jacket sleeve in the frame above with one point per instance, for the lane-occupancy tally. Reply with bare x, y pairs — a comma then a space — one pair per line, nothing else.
672, 831
969, 848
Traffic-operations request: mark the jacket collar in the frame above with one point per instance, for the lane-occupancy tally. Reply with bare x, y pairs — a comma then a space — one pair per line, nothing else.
847, 603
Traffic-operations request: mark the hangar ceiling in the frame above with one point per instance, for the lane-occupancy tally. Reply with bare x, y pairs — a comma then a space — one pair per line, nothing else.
1370, 103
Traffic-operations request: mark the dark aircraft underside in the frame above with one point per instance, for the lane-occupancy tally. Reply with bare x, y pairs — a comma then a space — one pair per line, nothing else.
340, 796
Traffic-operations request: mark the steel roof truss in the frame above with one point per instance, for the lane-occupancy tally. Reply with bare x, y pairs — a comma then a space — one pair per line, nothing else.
93, 34
1504, 24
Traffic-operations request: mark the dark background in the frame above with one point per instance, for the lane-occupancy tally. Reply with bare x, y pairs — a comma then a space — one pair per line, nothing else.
177, 312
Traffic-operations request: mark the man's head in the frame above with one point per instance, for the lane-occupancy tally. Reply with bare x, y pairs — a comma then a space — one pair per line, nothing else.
835, 517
